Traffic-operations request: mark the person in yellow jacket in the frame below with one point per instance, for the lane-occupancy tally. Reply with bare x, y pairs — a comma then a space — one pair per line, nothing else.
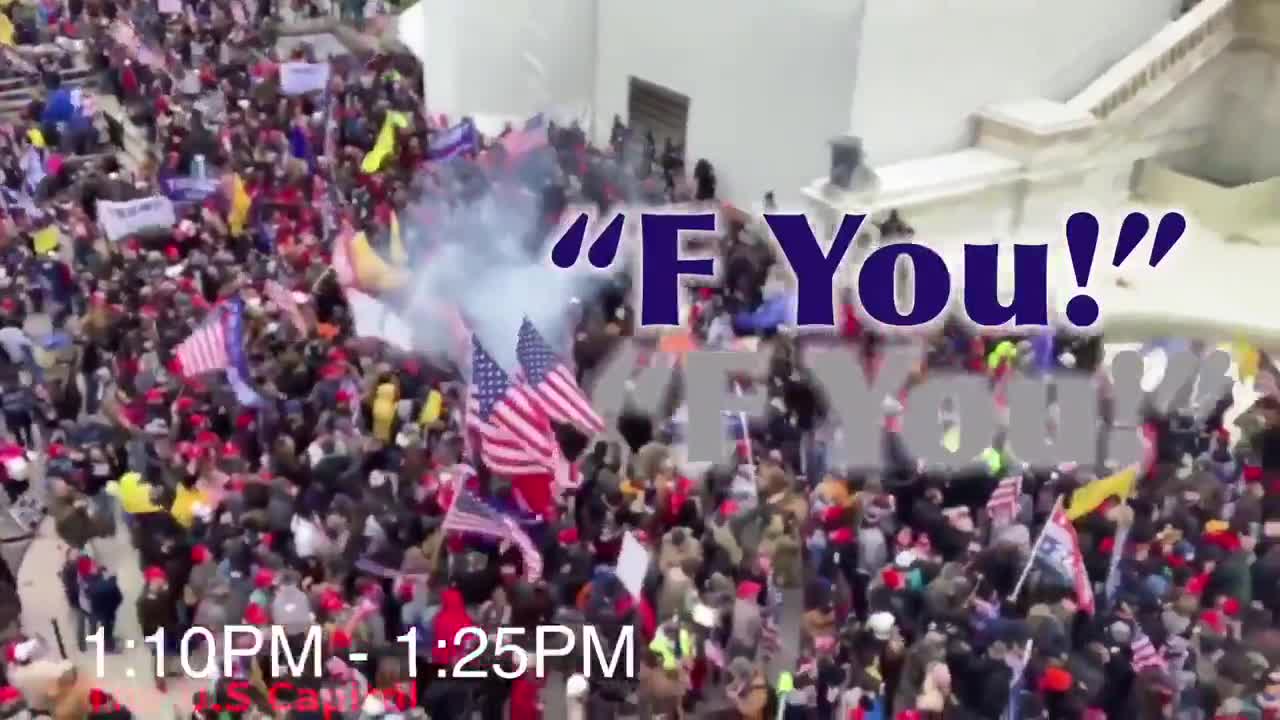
432, 410
184, 504
385, 398
664, 646
1005, 352
134, 494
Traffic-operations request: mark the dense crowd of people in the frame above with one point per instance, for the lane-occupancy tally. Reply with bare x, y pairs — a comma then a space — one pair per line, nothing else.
311, 481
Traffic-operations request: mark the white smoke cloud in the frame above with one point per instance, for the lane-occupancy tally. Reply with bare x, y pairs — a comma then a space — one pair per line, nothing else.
485, 269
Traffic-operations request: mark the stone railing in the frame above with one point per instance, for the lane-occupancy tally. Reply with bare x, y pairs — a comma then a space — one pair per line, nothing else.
377, 34
1171, 55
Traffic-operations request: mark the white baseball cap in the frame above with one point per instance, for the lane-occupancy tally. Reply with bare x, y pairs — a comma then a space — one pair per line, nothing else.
576, 686
881, 624
25, 650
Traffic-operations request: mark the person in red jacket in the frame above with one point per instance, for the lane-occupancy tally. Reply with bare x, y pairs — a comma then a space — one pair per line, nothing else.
526, 703
450, 621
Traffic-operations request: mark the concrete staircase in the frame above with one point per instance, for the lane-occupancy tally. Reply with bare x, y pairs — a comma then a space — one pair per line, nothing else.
1031, 157
1106, 110
136, 148
18, 92
1154, 69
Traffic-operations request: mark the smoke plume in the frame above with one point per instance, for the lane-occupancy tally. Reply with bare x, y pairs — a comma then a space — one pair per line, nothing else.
486, 268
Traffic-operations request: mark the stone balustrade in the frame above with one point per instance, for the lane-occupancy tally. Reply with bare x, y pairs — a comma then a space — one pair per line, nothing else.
1169, 56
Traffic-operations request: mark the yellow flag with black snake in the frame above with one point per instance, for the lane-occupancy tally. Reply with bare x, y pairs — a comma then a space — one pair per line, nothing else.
1087, 499
386, 143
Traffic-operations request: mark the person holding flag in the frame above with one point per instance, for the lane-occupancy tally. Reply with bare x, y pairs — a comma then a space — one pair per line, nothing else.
1057, 553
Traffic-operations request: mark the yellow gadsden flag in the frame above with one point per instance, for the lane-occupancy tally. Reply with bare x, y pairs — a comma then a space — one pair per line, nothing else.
1248, 360
1088, 498
240, 204
386, 143
6, 30
372, 272
46, 240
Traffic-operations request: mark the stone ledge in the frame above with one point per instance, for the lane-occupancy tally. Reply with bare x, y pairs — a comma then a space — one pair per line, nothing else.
942, 178
1035, 123
924, 180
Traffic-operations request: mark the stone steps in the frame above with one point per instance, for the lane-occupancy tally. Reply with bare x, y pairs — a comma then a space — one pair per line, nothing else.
16, 93
136, 148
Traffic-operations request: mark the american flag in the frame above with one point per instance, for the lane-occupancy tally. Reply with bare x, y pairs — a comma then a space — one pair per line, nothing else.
468, 514
206, 349
452, 480
516, 437
532, 137
551, 384
1145, 655
1002, 506
283, 298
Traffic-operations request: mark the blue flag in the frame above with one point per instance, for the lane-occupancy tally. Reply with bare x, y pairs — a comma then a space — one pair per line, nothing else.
1042, 351
877, 710
1018, 686
238, 367
187, 189
773, 312
299, 147
1113, 568
455, 141
1014, 711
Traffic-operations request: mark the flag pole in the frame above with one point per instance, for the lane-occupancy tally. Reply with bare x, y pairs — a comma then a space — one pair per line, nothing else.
1026, 570
746, 428
1123, 524
1010, 710
318, 280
